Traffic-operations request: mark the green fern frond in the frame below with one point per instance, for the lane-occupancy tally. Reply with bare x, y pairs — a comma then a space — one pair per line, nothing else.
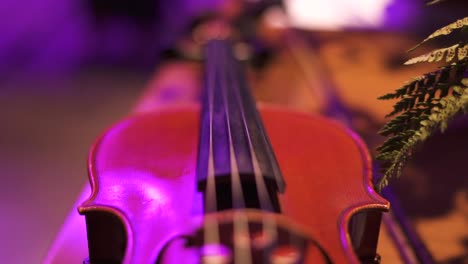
423, 90
405, 89
446, 30
464, 81
434, 2
462, 52
437, 55
397, 149
425, 104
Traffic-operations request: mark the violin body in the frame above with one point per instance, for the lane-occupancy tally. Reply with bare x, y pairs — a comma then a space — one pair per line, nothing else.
144, 195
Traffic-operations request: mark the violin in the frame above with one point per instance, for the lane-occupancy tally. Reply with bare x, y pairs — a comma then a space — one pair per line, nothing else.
230, 181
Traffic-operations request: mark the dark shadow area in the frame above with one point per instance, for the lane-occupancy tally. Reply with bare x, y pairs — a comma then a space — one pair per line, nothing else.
436, 173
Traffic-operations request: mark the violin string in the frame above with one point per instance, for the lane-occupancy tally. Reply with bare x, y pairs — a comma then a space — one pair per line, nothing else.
307, 63
242, 253
263, 197
269, 226
237, 193
211, 227
211, 202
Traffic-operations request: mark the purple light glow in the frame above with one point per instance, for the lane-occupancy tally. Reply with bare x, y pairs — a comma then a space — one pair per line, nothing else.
56, 36
130, 187
41, 36
399, 13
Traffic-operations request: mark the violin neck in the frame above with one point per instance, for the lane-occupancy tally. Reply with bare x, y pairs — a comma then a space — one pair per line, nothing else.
236, 166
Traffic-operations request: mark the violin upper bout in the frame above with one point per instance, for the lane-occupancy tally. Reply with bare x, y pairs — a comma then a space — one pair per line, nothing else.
141, 173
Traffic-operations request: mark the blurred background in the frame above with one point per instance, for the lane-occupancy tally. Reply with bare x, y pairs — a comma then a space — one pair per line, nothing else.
69, 69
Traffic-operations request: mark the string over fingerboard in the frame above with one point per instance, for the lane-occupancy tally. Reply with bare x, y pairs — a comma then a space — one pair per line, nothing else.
233, 140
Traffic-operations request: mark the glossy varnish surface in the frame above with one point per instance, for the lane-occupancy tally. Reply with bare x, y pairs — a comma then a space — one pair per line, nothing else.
143, 171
